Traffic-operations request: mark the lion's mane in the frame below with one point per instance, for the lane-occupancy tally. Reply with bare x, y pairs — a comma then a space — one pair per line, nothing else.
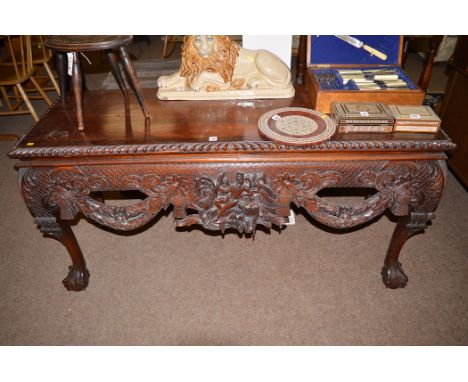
222, 61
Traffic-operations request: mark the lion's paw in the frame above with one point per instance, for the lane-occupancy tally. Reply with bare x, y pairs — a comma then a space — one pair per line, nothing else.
163, 81
253, 83
197, 87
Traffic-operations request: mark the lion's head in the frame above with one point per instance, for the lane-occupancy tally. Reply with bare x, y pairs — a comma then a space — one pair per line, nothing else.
212, 53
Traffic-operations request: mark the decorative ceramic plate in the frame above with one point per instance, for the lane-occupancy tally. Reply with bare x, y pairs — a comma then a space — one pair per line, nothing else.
296, 126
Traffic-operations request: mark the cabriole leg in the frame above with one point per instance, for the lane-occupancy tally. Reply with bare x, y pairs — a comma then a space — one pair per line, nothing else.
78, 275
392, 271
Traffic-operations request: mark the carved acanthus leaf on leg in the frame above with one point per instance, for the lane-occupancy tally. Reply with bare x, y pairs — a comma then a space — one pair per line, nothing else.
427, 184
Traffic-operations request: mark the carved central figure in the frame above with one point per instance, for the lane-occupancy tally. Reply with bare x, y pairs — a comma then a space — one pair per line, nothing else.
214, 67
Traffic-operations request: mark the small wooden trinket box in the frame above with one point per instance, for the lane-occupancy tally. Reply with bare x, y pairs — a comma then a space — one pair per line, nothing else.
362, 117
358, 69
415, 119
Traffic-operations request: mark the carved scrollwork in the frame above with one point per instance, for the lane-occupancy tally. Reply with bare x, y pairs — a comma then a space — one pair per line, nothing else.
241, 204
239, 200
247, 146
393, 181
161, 191
67, 192
302, 191
409, 185
171, 189
117, 217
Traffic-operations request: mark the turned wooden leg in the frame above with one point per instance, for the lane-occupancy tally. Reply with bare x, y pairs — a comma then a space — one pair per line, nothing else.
61, 67
133, 80
113, 61
392, 271
77, 83
78, 275
426, 75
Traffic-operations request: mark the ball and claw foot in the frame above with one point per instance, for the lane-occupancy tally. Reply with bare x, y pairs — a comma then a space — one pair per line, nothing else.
394, 277
77, 279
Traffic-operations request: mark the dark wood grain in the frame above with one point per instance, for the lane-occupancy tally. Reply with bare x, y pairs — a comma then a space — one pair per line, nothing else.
301, 60
186, 126
110, 44
133, 80
425, 78
238, 182
61, 67
77, 85
114, 64
83, 43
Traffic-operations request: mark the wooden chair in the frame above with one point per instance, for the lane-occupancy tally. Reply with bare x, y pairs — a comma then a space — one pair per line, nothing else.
41, 57
169, 45
15, 71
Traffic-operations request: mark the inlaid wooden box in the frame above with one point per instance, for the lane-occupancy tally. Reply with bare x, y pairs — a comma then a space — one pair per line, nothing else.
326, 55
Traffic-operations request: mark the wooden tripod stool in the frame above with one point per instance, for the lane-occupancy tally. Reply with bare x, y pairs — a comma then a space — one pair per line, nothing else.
111, 45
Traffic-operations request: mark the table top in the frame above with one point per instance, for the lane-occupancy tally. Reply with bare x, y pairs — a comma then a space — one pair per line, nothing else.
188, 127
77, 43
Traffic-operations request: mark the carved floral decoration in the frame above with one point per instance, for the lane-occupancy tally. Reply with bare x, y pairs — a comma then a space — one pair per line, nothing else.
240, 201
242, 204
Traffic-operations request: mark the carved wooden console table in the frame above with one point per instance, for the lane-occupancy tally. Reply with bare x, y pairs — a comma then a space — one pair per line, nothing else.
206, 159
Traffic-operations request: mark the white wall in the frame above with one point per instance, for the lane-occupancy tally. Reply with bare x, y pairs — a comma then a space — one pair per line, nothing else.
280, 45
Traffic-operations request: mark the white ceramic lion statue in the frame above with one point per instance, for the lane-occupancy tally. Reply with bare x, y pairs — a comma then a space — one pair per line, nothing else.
214, 67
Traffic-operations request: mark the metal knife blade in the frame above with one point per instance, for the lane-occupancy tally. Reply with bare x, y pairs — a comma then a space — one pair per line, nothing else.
359, 44
351, 40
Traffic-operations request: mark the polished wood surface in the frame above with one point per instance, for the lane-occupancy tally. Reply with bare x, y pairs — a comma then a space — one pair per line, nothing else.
207, 160
425, 78
83, 43
301, 64
322, 99
190, 122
